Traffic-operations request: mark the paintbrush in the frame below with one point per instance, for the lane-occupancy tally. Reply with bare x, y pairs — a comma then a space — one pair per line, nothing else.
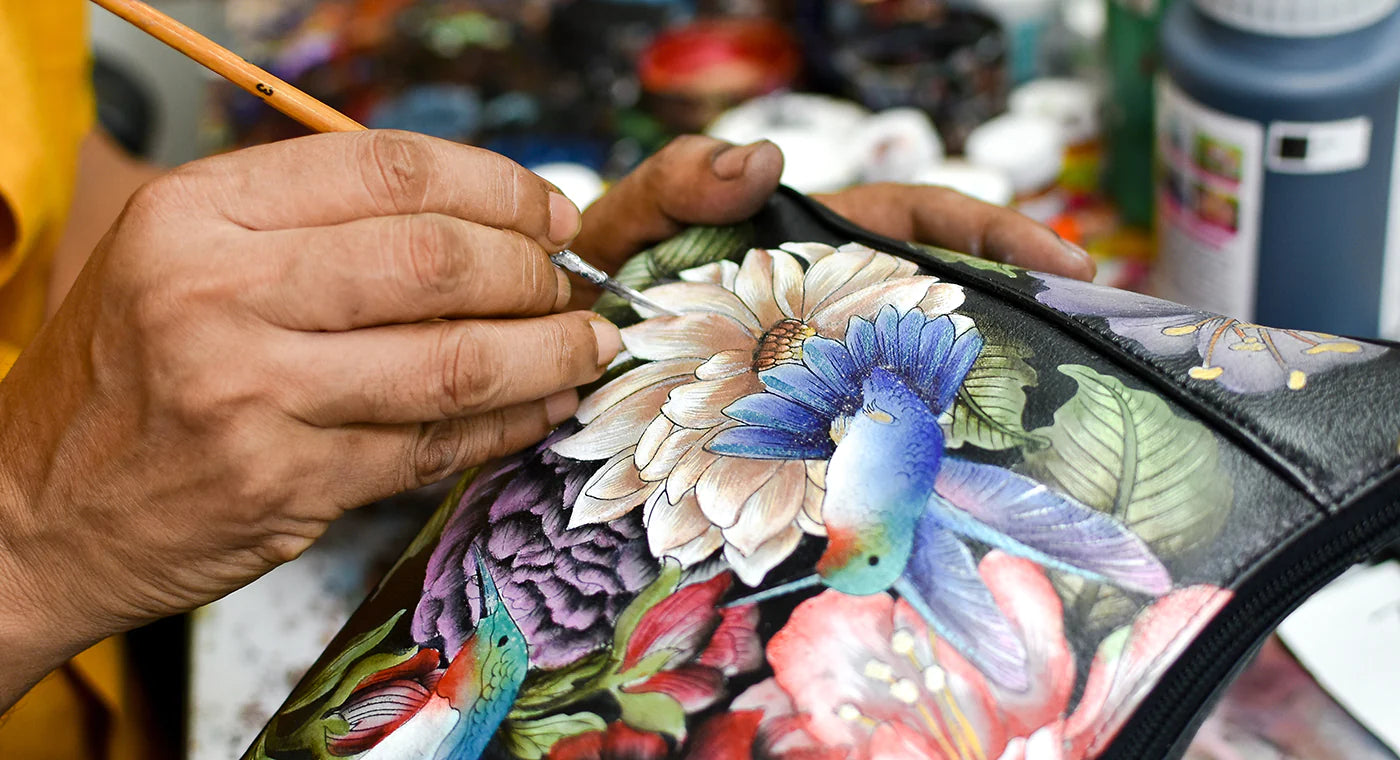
312, 113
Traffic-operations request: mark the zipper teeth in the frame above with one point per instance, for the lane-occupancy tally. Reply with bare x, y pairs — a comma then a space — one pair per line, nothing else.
1188, 687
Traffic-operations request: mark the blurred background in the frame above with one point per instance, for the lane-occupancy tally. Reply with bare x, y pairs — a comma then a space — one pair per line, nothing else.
1043, 105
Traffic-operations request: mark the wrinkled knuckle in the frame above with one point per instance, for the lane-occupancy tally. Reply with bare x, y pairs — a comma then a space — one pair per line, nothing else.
468, 377
538, 287
435, 452
398, 169
432, 252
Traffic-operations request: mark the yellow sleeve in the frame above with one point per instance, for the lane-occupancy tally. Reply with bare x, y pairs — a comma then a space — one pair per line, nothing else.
47, 111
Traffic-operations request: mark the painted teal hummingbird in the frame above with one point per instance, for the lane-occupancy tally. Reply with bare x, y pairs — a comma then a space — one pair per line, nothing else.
449, 713
897, 506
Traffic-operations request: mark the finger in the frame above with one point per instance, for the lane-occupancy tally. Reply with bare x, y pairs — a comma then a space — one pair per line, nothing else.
946, 218
335, 178
693, 180
399, 269
390, 459
442, 370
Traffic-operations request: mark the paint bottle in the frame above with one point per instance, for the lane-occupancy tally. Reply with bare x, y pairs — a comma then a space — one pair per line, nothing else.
1279, 191
1131, 54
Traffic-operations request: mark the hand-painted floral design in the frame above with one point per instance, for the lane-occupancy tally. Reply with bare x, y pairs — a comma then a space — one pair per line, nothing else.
653, 423
686, 647
383, 701
890, 688
897, 507
1242, 356
565, 588
606, 594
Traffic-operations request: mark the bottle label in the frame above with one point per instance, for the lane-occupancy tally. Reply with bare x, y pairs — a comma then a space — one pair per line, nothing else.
1210, 187
1390, 275
1325, 147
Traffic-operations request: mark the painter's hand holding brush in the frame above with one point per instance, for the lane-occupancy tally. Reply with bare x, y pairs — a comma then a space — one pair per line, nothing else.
265, 340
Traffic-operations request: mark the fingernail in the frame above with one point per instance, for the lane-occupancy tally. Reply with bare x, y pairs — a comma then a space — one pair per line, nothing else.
609, 340
729, 162
564, 220
564, 292
1084, 258
561, 406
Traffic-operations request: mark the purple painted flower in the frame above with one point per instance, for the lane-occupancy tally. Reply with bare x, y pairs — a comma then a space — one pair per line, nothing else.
564, 588
1242, 356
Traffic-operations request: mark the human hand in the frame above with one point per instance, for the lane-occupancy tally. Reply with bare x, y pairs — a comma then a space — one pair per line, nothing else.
263, 341
700, 180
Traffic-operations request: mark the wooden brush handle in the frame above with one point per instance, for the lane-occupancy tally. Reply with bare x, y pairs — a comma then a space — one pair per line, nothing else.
220, 60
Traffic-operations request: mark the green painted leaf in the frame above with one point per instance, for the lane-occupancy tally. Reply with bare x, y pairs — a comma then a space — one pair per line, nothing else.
664, 585
952, 257
988, 410
1123, 451
652, 711
325, 679
551, 689
695, 246
532, 739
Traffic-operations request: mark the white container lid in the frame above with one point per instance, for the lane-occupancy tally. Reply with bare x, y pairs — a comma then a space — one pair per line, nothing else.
896, 144
755, 119
577, 182
1072, 103
1298, 18
1030, 149
981, 182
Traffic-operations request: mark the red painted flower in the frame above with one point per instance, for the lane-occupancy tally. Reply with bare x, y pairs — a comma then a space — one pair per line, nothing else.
385, 700
618, 742
865, 675
691, 646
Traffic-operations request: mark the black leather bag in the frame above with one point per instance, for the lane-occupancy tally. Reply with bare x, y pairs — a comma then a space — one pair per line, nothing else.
862, 499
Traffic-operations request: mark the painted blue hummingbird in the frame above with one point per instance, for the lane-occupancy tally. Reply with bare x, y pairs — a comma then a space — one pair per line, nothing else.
897, 506
444, 714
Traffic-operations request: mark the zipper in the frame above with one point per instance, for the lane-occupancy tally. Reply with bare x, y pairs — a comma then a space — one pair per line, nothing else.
1164, 724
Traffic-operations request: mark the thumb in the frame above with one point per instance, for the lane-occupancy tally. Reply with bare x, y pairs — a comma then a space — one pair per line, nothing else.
693, 180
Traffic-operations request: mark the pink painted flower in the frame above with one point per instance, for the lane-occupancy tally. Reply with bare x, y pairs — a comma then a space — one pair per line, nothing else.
866, 674
652, 424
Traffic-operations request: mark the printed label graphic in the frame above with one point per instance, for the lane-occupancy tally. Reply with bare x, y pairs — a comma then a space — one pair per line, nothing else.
1321, 147
1210, 187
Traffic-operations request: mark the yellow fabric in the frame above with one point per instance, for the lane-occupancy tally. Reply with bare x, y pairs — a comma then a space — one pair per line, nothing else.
87, 709
47, 111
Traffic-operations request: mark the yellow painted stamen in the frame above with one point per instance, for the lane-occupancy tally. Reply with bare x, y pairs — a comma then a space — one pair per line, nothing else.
935, 679
905, 691
936, 731
1206, 373
902, 642
879, 671
965, 732
1185, 329
1297, 380
1333, 348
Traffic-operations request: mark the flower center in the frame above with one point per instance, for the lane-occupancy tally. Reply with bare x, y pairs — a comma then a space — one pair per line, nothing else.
782, 344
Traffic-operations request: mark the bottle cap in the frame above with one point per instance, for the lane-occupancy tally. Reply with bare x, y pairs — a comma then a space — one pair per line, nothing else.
1072, 103
1030, 149
981, 182
1298, 18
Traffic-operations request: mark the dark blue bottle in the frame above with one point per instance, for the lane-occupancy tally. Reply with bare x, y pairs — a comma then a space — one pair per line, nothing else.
1279, 182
